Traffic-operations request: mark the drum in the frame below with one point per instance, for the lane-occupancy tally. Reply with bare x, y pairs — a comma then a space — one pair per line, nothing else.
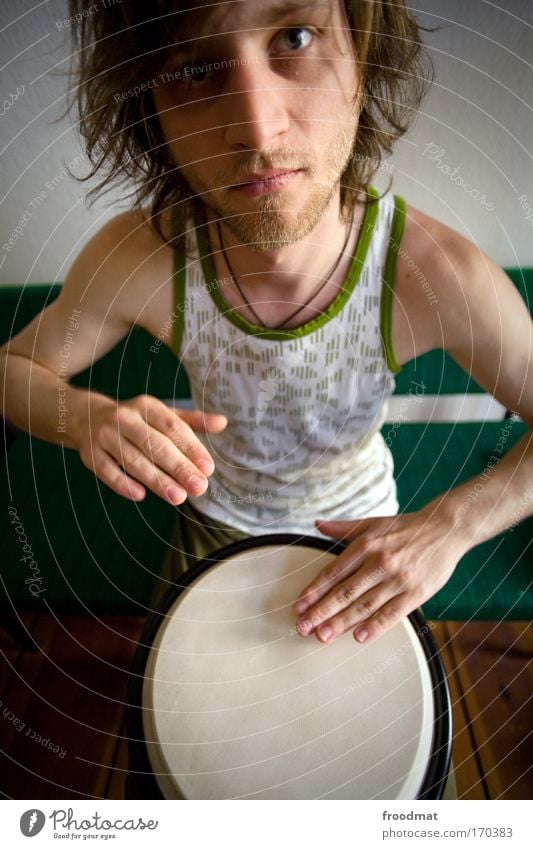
227, 700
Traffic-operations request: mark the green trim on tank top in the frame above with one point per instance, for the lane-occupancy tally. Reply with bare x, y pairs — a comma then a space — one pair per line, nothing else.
180, 277
352, 277
396, 233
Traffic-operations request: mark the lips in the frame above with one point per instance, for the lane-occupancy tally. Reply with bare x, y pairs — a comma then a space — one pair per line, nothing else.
265, 181
269, 175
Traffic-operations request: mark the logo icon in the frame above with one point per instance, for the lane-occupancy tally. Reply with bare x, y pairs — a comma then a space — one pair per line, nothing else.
267, 391
32, 822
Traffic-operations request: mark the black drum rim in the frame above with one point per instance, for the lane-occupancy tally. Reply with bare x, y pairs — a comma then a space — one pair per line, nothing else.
439, 761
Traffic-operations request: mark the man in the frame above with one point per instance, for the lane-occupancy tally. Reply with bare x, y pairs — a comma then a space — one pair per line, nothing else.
265, 121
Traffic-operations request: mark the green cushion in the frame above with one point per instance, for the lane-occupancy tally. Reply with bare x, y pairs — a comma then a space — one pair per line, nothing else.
493, 580
91, 546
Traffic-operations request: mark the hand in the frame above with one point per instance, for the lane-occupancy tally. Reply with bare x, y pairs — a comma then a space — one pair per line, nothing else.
391, 566
151, 442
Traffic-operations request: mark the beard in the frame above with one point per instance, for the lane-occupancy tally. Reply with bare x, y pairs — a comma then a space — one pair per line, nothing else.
273, 223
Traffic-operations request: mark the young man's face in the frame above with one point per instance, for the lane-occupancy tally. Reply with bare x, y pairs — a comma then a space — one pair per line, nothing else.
263, 86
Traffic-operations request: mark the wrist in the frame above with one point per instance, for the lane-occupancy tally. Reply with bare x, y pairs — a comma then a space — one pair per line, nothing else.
451, 511
84, 406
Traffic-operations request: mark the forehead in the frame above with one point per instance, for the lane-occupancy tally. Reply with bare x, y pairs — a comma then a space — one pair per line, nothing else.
200, 18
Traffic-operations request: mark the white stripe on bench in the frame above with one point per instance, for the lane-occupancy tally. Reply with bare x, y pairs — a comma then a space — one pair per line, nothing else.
473, 407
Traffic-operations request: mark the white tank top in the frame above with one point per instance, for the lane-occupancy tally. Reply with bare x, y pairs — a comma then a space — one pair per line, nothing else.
304, 406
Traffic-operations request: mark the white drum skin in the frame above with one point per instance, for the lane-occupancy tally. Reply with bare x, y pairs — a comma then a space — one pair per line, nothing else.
236, 704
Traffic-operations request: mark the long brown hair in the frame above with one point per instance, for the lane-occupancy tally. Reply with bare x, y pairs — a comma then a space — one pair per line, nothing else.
117, 46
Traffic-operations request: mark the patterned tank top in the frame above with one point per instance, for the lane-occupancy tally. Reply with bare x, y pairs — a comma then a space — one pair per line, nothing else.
304, 406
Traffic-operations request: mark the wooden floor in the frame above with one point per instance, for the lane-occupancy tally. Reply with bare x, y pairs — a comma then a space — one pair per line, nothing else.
62, 707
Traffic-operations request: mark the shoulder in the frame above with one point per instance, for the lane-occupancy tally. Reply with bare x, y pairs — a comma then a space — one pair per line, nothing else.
134, 230
455, 297
127, 267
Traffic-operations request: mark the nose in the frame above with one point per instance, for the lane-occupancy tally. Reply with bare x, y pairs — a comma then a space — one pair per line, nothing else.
254, 104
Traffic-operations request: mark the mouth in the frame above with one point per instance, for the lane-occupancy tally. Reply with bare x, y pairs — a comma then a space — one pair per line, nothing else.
267, 181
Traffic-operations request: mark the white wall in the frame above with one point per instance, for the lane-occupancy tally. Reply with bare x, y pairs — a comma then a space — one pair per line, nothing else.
475, 125
478, 114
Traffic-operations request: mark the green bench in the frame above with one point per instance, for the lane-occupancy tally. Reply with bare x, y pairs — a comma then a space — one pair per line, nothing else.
89, 549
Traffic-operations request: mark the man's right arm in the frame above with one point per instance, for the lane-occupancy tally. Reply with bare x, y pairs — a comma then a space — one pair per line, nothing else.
129, 445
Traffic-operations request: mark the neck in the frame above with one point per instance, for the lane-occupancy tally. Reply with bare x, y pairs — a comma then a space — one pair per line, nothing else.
287, 269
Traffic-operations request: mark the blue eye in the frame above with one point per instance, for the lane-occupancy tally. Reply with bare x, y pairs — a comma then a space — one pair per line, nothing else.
297, 37
198, 73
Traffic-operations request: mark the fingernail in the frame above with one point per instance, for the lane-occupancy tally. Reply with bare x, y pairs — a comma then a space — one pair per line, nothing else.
195, 482
361, 635
205, 466
304, 627
174, 494
301, 606
325, 632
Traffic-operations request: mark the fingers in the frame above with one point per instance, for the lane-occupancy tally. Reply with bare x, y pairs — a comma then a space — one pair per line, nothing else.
339, 568
356, 597
385, 618
178, 426
162, 435
150, 458
124, 467
108, 471
203, 422
343, 529
171, 445
354, 615
144, 443
371, 615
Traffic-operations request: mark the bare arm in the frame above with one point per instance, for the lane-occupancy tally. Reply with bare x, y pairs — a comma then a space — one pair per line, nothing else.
129, 445
392, 565
75, 330
488, 331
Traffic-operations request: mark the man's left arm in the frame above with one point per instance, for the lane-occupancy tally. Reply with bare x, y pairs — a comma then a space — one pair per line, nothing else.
394, 564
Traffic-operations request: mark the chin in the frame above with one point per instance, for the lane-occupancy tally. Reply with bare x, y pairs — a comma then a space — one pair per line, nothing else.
270, 229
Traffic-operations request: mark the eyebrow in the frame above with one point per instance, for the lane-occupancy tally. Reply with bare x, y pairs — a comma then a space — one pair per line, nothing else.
269, 15
272, 13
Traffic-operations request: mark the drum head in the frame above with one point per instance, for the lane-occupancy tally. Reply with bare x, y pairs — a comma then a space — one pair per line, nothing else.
236, 704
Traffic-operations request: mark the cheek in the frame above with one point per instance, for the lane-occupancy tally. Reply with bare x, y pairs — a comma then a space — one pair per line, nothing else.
326, 120
188, 139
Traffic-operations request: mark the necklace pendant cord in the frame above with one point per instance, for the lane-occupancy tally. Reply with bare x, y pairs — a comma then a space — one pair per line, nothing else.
300, 308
